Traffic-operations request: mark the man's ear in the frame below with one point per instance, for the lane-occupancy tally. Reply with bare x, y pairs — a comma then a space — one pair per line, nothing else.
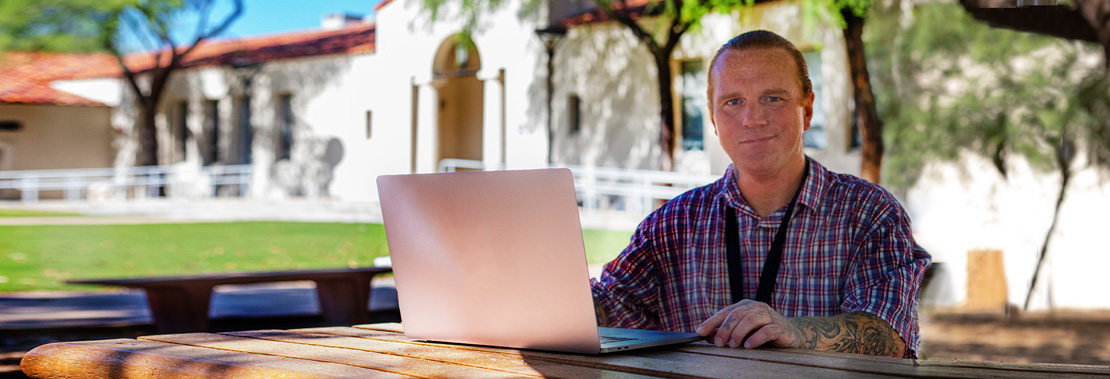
807, 107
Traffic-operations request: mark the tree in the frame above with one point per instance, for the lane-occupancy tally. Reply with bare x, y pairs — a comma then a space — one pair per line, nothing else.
113, 25
1046, 113
670, 20
1082, 20
851, 16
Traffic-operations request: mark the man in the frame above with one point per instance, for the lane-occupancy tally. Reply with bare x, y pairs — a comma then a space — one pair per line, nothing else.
842, 276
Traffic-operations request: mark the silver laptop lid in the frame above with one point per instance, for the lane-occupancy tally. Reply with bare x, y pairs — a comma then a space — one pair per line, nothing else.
490, 258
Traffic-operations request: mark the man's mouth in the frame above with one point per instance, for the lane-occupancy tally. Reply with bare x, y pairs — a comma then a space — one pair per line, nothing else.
757, 140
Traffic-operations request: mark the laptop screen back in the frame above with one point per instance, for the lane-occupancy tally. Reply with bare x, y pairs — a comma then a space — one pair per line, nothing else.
490, 258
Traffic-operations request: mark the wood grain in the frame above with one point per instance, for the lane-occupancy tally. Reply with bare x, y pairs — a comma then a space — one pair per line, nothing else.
128, 358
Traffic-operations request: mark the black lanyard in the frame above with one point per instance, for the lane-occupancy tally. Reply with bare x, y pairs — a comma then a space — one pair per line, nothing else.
774, 256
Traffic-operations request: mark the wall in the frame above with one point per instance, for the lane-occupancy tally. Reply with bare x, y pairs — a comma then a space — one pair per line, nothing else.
57, 137
960, 207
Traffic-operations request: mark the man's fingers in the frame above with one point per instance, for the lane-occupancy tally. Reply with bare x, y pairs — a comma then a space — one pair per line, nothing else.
709, 327
749, 324
767, 333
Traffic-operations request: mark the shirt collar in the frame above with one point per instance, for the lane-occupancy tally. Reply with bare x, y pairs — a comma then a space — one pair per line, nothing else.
814, 186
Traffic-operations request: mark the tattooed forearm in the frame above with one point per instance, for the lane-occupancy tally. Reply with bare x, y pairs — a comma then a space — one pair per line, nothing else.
856, 332
602, 317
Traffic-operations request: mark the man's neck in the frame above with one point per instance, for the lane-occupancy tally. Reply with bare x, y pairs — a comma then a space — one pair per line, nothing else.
768, 192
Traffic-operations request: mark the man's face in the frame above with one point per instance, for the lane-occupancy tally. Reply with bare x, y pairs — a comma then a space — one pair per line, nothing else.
758, 109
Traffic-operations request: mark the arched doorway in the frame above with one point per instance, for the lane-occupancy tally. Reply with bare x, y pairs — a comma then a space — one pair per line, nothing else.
460, 102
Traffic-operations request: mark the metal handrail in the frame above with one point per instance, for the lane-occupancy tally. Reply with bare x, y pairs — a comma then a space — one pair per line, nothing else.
634, 191
78, 183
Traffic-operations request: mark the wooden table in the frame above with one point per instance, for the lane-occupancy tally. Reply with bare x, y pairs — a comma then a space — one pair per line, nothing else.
381, 350
180, 303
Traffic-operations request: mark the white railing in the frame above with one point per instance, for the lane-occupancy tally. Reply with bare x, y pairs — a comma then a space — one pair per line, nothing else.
636, 191
133, 182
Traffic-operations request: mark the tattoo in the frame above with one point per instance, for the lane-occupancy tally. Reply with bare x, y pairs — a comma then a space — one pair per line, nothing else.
856, 332
599, 311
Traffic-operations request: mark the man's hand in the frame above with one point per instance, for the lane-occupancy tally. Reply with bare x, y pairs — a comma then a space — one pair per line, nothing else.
751, 324
599, 312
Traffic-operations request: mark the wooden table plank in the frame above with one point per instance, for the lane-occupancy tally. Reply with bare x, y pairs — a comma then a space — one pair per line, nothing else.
128, 358
385, 362
664, 361
382, 350
1003, 369
876, 365
1054, 369
510, 361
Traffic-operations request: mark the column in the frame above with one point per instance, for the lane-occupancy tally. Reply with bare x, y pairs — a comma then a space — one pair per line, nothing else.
427, 122
493, 117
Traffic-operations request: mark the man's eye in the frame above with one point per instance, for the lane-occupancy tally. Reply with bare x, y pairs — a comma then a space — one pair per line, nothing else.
774, 99
732, 102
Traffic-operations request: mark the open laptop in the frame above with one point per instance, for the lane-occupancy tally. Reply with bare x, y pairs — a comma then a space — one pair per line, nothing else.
496, 258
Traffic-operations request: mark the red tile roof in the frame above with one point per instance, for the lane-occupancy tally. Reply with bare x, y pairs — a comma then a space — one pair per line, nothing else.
356, 38
25, 77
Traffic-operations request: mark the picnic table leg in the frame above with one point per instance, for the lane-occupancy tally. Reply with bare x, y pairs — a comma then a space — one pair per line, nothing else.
345, 301
179, 309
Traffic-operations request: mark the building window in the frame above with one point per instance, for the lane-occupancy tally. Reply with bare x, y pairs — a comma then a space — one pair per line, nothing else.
246, 131
10, 126
574, 114
285, 135
182, 127
212, 131
816, 137
693, 105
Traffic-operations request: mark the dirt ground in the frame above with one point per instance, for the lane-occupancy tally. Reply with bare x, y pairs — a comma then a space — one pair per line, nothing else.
1076, 337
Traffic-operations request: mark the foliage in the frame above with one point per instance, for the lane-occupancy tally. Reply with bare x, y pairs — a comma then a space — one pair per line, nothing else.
950, 85
101, 25
52, 25
42, 257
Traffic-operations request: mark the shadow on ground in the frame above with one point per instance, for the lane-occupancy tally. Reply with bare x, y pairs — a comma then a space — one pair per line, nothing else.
1074, 337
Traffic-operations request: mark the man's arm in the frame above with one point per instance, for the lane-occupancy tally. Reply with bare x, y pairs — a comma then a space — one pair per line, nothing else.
752, 324
856, 332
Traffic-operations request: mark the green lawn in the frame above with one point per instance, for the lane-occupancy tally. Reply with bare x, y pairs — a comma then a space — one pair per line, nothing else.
42, 257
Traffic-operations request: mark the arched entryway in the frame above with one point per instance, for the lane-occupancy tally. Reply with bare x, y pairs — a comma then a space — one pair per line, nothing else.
460, 101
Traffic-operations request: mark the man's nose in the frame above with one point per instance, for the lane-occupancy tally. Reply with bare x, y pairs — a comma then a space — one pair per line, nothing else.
754, 116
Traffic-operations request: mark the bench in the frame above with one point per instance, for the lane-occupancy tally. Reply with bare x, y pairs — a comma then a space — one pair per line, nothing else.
179, 304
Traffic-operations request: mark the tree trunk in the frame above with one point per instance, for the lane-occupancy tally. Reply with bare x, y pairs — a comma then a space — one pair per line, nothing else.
666, 108
148, 139
1064, 154
866, 115
1048, 237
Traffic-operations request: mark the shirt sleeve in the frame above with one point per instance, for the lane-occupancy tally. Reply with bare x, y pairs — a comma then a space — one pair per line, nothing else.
886, 279
627, 288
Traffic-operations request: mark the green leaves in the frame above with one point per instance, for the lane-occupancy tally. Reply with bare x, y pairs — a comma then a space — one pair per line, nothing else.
954, 85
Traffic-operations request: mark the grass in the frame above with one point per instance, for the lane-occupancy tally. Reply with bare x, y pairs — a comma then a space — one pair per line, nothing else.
43, 257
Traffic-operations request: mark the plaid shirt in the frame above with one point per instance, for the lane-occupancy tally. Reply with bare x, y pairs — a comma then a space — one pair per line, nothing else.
848, 248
